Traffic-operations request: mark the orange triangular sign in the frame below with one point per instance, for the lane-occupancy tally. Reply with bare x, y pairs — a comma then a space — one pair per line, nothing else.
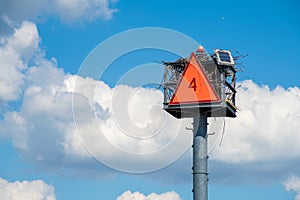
194, 86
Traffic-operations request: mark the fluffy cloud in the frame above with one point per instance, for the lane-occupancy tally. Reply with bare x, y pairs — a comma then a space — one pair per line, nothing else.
15, 53
266, 129
44, 130
263, 139
128, 195
125, 124
130, 119
293, 184
83, 9
67, 10
26, 190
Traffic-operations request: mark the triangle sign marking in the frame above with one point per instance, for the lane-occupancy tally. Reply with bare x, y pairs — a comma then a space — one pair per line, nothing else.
194, 86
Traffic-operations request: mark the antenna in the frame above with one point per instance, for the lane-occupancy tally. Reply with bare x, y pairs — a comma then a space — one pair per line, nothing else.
200, 87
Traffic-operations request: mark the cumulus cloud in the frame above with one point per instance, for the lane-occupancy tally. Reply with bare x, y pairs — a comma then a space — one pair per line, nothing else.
44, 130
68, 10
26, 190
43, 127
16, 51
263, 139
128, 195
293, 184
266, 128
83, 9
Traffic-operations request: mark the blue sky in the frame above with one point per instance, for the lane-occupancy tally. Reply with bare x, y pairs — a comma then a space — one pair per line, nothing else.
42, 47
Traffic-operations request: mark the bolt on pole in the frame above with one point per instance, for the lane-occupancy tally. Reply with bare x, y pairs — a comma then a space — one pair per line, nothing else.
200, 173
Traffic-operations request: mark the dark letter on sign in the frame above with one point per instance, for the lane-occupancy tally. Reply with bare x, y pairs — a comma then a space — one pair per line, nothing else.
193, 84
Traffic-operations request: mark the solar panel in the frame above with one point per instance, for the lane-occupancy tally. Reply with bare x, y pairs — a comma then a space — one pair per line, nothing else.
224, 57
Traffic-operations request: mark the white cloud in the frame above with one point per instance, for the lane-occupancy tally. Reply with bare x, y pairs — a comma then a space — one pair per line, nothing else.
26, 190
71, 11
293, 184
15, 53
128, 195
43, 128
266, 129
68, 10
261, 134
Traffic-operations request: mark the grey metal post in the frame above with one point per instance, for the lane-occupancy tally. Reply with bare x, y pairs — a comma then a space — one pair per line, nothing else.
200, 175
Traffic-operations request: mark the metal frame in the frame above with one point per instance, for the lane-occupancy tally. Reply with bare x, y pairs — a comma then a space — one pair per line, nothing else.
221, 77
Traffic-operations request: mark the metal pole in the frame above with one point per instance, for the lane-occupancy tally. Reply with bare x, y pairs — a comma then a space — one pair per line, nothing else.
200, 173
